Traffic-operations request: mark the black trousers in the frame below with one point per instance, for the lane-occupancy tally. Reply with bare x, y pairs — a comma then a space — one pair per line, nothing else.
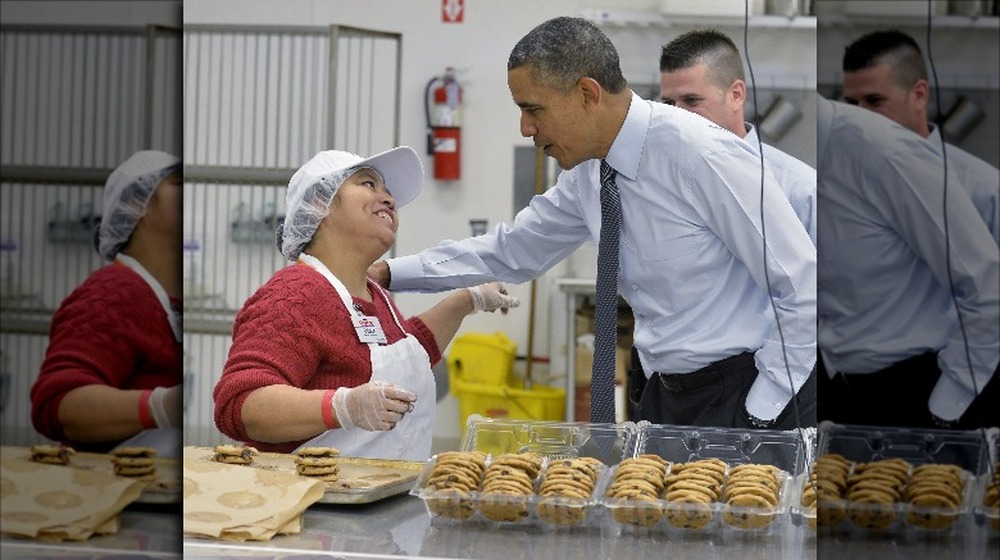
898, 396
712, 396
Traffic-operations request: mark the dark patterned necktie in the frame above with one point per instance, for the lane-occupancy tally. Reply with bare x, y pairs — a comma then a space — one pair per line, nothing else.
602, 383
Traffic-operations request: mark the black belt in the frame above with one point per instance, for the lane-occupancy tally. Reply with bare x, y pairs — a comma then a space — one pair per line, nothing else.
679, 382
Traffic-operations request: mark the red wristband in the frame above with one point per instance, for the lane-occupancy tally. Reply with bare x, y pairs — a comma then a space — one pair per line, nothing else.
328, 409
145, 414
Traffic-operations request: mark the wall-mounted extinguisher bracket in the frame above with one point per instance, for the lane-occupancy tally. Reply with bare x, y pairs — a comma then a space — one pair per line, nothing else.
443, 106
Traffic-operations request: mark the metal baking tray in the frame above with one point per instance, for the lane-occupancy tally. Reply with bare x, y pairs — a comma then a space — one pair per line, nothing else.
361, 480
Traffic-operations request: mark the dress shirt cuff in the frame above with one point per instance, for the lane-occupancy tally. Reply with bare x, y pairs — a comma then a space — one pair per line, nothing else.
766, 399
405, 273
949, 399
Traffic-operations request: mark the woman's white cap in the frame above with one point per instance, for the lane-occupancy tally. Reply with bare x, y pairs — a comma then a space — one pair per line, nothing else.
314, 185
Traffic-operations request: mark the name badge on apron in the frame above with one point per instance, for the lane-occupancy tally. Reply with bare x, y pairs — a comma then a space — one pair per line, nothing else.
369, 329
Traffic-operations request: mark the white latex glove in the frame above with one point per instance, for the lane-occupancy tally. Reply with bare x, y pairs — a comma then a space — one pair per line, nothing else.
492, 296
167, 407
375, 406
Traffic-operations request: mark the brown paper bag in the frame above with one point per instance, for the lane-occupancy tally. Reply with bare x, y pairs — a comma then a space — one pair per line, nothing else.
239, 503
53, 502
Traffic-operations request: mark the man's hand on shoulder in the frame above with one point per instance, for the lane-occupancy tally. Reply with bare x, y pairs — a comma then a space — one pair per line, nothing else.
379, 272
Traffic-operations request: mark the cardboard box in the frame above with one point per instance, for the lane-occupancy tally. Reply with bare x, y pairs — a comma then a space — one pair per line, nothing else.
585, 364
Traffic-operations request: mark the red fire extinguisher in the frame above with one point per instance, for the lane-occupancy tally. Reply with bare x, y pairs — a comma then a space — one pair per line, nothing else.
443, 104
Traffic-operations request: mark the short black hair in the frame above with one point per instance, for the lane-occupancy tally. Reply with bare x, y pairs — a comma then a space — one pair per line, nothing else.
892, 47
562, 50
704, 46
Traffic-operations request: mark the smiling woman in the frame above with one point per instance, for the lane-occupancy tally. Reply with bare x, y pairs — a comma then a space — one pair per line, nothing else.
320, 351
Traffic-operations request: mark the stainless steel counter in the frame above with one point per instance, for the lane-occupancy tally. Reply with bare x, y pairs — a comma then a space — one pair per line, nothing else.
400, 526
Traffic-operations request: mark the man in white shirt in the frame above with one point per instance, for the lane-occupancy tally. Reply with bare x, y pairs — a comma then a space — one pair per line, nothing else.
884, 71
691, 255
701, 71
893, 351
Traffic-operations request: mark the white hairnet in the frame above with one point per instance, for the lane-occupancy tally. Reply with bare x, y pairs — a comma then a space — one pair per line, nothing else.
314, 185
126, 194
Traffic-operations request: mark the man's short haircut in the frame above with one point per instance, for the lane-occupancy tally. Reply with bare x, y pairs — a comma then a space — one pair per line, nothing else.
563, 50
708, 47
895, 48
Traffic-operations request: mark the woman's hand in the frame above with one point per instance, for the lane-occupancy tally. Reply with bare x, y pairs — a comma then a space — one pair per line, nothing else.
492, 296
374, 406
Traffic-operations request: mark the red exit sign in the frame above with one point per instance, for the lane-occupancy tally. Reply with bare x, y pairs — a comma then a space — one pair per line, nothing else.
452, 11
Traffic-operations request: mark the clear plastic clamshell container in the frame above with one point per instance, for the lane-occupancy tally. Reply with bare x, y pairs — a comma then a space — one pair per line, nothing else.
989, 514
755, 468
802, 514
927, 510
530, 473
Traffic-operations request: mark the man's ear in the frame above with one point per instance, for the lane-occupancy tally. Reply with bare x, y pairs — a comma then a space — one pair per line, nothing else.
738, 90
921, 92
590, 90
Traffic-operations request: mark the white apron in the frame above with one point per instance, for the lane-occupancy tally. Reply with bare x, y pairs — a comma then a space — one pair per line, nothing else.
166, 441
404, 363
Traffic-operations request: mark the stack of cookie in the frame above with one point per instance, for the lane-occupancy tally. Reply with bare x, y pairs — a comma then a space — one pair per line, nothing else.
751, 486
690, 490
134, 462
453, 478
639, 480
507, 483
317, 462
991, 499
934, 494
826, 489
234, 454
52, 454
566, 486
873, 490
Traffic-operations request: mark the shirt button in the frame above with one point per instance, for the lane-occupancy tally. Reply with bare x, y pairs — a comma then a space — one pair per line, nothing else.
635, 288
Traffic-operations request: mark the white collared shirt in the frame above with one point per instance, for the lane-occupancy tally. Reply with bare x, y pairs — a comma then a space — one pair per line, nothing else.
980, 179
691, 253
796, 179
883, 275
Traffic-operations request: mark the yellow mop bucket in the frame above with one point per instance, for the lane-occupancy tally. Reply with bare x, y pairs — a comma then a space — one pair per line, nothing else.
481, 358
541, 402
481, 376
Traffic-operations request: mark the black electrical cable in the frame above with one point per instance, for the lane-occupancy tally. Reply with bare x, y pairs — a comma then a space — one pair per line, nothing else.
763, 229
947, 237
427, 116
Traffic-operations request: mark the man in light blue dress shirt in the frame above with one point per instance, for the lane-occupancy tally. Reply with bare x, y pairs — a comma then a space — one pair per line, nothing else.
701, 71
692, 263
890, 339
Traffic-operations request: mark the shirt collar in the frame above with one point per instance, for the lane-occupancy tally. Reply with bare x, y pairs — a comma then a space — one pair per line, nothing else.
751, 136
934, 138
626, 150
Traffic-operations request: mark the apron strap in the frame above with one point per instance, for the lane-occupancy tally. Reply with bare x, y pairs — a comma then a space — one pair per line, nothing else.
173, 318
346, 297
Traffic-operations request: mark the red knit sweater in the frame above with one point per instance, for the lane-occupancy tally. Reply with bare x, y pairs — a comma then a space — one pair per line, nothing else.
295, 331
110, 331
